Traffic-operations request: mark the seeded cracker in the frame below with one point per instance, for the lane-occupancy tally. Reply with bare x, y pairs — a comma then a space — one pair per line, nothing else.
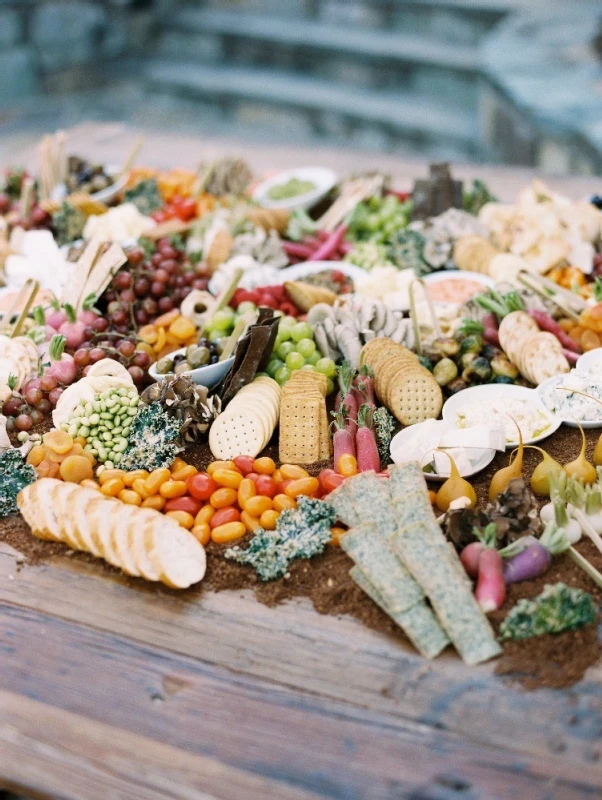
436, 568
418, 623
300, 429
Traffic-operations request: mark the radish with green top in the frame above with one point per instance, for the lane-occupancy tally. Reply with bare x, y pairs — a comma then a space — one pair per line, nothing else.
343, 440
72, 329
491, 587
346, 374
62, 366
365, 441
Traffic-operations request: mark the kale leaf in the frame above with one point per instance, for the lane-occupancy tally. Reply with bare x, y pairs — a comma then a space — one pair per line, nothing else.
558, 608
152, 442
146, 196
15, 475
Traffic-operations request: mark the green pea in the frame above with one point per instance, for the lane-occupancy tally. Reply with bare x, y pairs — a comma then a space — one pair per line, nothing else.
89, 408
96, 444
94, 419
102, 454
78, 411
72, 430
107, 437
94, 452
117, 458
134, 401
109, 464
97, 405
105, 415
117, 430
84, 431
65, 426
132, 412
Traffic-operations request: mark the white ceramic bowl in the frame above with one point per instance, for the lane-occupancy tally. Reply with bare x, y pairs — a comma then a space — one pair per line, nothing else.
571, 421
494, 392
209, 375
323, 178
479, 457
591, 361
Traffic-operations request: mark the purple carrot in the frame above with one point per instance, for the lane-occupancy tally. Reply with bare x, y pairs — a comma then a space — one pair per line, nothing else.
531, 562
343, 440
546, 323
331, 245
365, 442
297, 250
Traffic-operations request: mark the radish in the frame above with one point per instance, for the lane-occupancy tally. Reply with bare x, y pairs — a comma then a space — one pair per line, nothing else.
546, 323
470, 556
343, 440
531, 562
364, 384
87, 316
62, 366
72, 330
365, 441
331, 245
56, 317
302, 251
346, 374
491, 589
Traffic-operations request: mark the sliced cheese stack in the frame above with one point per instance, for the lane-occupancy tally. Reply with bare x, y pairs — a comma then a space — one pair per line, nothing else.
537, 354
140, 541
247, 424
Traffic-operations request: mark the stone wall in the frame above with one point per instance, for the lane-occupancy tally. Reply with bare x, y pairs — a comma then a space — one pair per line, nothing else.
62, 45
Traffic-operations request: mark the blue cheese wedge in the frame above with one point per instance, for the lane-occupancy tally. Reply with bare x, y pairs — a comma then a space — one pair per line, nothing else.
340, 500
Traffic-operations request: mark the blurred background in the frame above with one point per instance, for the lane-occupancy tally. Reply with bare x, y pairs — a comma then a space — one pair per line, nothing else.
501, 81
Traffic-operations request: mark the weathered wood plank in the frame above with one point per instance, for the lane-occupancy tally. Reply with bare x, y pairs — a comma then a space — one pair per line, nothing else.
334, 658
54, 753
295, 741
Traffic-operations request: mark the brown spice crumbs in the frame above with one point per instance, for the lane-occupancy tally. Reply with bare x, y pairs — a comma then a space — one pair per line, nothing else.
545, 661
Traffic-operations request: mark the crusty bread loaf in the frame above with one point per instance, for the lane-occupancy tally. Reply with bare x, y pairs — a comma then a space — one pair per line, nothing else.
140, 541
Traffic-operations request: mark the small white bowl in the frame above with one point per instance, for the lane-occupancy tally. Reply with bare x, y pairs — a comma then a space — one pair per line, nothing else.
111, 191
570, 421
489, 392
323, 178
209, 375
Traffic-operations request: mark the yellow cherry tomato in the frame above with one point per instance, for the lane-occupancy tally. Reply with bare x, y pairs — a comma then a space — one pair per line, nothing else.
347, 465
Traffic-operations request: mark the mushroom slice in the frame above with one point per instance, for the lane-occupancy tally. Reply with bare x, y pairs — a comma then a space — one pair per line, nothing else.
320, 312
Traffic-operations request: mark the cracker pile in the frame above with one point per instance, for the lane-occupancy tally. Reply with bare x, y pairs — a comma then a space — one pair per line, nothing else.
247, 424
140, 541
18, 357
402, 384
402, 559
537, 354
304, 434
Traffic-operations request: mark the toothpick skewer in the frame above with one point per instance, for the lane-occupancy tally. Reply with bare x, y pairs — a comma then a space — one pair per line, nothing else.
134, 152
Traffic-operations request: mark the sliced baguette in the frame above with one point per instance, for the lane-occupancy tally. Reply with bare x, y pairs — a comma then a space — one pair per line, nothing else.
108, 519
46, 508
87, 511
176, 554
120, 537
64, 496
28, 505
144, 521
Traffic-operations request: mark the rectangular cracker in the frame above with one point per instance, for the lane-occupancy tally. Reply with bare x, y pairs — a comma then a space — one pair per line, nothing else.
300, 429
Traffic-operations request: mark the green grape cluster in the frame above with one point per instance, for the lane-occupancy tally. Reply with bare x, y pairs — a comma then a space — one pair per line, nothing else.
294, 349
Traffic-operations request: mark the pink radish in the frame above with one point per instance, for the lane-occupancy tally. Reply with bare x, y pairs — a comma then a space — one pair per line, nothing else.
491, 587
72, 330
365, 442
298, 250
546, 323
62, 366
87, 317
470, 558
56, 317
343, 440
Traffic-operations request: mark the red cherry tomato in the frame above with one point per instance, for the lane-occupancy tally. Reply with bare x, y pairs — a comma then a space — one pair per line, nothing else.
333, 481
189, 504
244, 464
277, 292
323, 475
265, 485
247, 296
252, 475
224, 515
186, 209
267, 300
289, 308
201, 486
280, 487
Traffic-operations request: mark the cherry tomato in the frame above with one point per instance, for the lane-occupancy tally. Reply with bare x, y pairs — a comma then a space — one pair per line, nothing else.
189, 504
244, 464
223, 516
265, 486
306, 486
333, 481
323, 475
228, 477
264, 465
347, 465
291, 472
223, 497
201, 486
186, 209
246, 490
252, 475
281, 487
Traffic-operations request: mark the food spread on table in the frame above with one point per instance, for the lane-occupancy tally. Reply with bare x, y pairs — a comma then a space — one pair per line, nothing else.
174, 396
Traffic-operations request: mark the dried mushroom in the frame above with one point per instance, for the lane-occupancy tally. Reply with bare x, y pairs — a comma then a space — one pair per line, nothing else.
186, 402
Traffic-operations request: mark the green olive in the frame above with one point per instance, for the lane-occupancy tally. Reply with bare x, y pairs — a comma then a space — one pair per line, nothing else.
198, 357
164, 365
181, 368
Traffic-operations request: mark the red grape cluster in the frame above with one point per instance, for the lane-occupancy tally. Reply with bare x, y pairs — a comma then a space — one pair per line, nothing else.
117, 347
37, 399
149, 286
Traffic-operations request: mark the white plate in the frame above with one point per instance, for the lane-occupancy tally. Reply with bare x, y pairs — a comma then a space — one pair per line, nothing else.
592, 360
209, 375
479, 457
323, 178
543, 387
299, 271
496, 391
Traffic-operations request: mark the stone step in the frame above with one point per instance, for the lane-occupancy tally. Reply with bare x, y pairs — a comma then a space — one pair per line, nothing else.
325, 103
392, 46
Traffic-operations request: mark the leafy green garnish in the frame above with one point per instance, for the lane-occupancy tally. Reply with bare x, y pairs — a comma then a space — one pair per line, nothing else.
146, 196
558, 608
476, 196
300, 224
68, 224
15, 475
152, 441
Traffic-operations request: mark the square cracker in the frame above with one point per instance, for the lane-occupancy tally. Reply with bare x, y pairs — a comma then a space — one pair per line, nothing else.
300, 430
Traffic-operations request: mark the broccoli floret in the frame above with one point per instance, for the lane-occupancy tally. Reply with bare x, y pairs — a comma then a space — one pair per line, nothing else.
15, 475
300, 533
558, 608
152, 441
146, 196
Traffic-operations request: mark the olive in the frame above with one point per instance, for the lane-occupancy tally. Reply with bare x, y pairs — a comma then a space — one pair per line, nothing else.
220, 344
198, 357
164, 365
181, 368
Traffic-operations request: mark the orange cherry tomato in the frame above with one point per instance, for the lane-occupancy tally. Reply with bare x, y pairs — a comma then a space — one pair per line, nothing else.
183, 518
130, 497
171, 489
265, 485
156, 479
336, 534
277, 476
108, 474
228, 478
291, 472
223, 516
264, 466
112, 487
347, 465
220, 465
251, 523
202, 533
333, 481
257, 505
188, 504
223, 497
269, 519
139, 486
154, 501
228, 532
306, 486
183, 473
204, 515
201, 486
281, 501
244, 464
246, 489
178, 463
136, 474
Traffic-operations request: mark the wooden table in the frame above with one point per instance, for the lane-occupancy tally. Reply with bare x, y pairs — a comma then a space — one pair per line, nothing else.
110, 690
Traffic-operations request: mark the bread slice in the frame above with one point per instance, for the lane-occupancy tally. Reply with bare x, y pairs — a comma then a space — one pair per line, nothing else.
28, 505
176, 554
144, 521
64, 496
108, 517
120, 537
86, 509
46, 508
